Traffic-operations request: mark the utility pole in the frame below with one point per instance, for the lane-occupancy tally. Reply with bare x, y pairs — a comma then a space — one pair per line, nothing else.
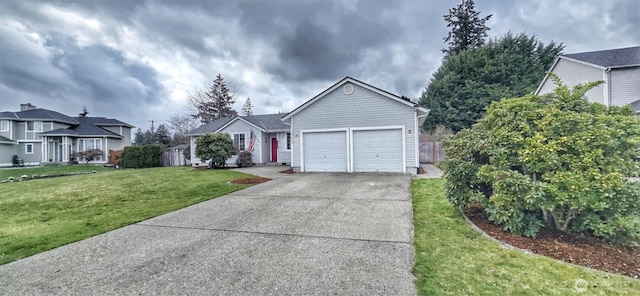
152, 121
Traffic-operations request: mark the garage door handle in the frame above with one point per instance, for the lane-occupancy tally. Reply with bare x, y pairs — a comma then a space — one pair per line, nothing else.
377, 155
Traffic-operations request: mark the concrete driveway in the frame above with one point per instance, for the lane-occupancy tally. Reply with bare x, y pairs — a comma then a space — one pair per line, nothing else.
345, 234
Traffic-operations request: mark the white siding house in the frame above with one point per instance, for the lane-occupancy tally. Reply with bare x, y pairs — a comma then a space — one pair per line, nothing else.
355, 127
618, 68
270, 144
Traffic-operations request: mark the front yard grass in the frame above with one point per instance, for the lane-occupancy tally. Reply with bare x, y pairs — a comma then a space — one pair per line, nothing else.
42, 214
453, 259
50, 170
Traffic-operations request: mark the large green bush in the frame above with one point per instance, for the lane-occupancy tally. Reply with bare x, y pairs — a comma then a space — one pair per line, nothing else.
555, 160
215, 147
144, 156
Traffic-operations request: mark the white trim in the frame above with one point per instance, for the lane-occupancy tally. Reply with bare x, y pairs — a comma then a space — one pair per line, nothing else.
546, 75
8, 124
233, 139
302, 132
416, 145
375, 128
291, 130
26, 151
29, 141
234, 120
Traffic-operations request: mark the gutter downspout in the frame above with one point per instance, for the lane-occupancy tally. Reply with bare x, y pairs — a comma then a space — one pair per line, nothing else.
607, 87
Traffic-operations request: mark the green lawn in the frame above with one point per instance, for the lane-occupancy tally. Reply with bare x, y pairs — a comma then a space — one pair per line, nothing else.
453, 259
50, 170
42, 214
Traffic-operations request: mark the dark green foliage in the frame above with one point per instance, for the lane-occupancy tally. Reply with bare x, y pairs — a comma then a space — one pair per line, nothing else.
467, 82
245, 159
187, 152
144, 156
162, 135
468, 29
554, 160
217, 103
215, 147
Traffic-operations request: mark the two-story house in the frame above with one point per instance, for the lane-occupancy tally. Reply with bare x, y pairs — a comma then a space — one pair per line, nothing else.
619, 69
40, 136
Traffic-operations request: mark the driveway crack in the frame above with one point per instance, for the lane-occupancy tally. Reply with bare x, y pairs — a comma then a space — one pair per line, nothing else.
275, 234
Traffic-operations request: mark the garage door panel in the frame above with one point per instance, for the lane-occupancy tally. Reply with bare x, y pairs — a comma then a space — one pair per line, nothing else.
377, 150
325, 151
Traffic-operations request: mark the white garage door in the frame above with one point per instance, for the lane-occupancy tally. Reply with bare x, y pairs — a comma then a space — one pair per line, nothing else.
377, 151
325, 151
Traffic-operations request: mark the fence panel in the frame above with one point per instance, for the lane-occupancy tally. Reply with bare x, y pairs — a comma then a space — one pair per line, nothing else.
431, 152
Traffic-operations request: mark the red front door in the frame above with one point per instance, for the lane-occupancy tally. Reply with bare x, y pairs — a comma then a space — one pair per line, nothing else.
274, 149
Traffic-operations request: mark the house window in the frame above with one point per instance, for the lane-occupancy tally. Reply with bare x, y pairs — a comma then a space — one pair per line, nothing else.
238, 141
4, 125
34, 126
88, 144
28, 148
288, 141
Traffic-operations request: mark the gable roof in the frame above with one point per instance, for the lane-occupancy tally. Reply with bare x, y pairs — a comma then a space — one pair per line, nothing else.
384, 93
8, 115
102, 121
263, 122
611, 58
266, 122
43, 114
210, 127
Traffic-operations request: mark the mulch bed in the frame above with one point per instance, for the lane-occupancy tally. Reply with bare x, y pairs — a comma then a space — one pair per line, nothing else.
250, 181
287, 172
570, 248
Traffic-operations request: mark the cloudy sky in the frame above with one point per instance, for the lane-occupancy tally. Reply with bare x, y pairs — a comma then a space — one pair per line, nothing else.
135, 60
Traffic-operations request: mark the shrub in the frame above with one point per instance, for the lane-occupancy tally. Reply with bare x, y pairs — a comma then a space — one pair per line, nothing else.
187, 153
215, 147
88, 155
245, 159
554, 160
144, 156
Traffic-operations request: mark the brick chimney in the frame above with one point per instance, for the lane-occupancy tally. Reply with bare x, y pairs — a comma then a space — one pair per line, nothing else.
27, 106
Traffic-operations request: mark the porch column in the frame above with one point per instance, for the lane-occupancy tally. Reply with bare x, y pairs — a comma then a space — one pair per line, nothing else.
44, 153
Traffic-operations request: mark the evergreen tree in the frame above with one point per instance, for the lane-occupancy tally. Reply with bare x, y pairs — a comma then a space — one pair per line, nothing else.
468, 81
84, 112
468, 29
162, 135
218, 103
247, 108
139, 137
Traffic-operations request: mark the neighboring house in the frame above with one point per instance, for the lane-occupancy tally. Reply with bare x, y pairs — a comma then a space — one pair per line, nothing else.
618, 68
271, 144
40, 136
355, 127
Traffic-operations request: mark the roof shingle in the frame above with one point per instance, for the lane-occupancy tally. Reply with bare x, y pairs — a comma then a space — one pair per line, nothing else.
612, 58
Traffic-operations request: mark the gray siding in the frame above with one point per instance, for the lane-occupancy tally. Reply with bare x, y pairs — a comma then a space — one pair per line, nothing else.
362, 108
240, 126
625, 86
573, 73
34, 158
7, 151
119, 144
18, 132
58, 125
284, 155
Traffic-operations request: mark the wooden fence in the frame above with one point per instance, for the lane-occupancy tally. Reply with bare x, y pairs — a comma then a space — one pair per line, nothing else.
174, 157
431, 152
